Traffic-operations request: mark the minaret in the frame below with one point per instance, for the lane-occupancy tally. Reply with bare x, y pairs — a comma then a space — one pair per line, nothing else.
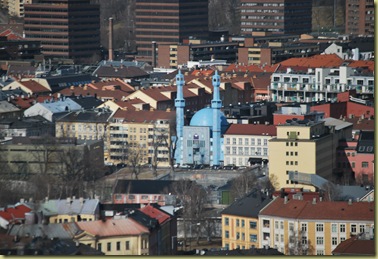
179, 104
216, 104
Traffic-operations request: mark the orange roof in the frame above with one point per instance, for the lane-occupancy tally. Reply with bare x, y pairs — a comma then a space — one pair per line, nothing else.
251, 68
13, 214
115, 82
109, 228
11, 35
261, 81
34, 86
129, 103
155, 213
144, 116
251, 129
327, 60
206, 72
331, 210
116, 94
362, 63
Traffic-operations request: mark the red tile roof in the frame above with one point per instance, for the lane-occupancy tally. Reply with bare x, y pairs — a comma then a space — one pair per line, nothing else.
251, 129
114, 227
251, 68
144, 116
11, 35
355, 246
13, 214
331, 210
129, 103
362, 63
115, 94
261, 81
115, 82
155, 213
206, 72
34, 86
328, 60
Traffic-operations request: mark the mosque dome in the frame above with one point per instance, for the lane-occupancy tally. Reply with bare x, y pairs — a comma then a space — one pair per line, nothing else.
204, 118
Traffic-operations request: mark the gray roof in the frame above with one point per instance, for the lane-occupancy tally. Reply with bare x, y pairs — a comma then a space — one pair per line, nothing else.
86, 116
61, 230
249, 205
61, 105
339, 124
352, 192
6, 106
70, 206
87, 102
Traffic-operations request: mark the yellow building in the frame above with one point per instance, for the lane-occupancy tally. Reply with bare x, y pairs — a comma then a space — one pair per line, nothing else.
70, 210
16, 7
302, 147
115, 237
240, 221
297, 227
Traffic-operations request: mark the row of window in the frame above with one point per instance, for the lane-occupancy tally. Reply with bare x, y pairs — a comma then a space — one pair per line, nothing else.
247, 141
252, 224
245, 151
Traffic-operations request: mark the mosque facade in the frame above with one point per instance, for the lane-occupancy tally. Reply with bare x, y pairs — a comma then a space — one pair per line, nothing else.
200, 142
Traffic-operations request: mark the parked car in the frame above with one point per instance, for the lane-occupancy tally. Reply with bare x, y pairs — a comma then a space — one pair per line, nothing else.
230, 167
185, 166
198, 166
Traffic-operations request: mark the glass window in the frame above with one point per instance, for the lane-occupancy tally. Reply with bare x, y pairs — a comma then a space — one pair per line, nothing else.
242, 223
319, 227
365, 164
252, 224
246, 142
226, 234
334, 228
108, 246
127, 244
237, 235
362, 228
243, 237
319, 252
282, 225
118, 246
226, 221
253, 238
342, 228
99, 247
237, 222
277, 239
319, 240
240, 141
276, 224
334, 241
353, 228
304, 227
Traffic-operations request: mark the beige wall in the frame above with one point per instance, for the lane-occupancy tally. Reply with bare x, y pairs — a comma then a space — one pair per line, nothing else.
137, 244
71, 218
331, 236
295, 149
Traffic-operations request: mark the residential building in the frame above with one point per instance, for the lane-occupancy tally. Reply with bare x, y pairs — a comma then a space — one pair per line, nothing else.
144, 191
359, 245
115, 236
247, 144
240, 224
178, 55
15, 47
295, 227
296, 111
25, 155
70, 210
13, 215
16, 7
52, 110
8, 110
250, 113
277, 16
67, 29
302, 146
359, 17
168, 22
28, 86
320, 78
147, 133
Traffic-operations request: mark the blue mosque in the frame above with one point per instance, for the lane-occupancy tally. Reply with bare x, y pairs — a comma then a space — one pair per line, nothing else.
201, 142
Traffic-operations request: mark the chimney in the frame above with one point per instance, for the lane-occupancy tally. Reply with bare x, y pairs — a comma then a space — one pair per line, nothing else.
350, 202
154, 54
110, 38
285, 200
313, 200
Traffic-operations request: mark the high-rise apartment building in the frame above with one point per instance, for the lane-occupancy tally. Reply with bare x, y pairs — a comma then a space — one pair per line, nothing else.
276, 16
67, 29
359, 17
168, 22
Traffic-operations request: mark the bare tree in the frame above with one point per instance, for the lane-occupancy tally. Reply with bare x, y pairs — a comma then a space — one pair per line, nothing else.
298, 244
135, 158
160, 144
331, 191
243, 184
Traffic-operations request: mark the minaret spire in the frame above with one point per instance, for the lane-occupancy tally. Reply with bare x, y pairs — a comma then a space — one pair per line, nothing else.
216, 104
179, 104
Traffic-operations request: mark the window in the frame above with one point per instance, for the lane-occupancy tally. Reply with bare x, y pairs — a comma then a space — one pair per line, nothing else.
319, 240
234, 141
252, 225
99, 247
291, 226
362, 228
342, 228
237, 222
276, 224
353, 165
118, 246
243, 237
334, 241
319, 252
319, 228
252, 141
226, 246
287, 153
282, 238
226, 221
259, 142
304, 227
242, 223
252, 238
304, 240
127, 245
365, 164
226, 234
246, 142
265, 142
342, 239
228, 141
277, 239
282, 225
334, 228
237, 235
353, 228
108, 246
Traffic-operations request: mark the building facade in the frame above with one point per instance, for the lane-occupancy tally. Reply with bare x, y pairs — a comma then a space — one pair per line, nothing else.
167, 22
16, 7
67, 29
295, 227
359, 17
278, 16
302, 146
